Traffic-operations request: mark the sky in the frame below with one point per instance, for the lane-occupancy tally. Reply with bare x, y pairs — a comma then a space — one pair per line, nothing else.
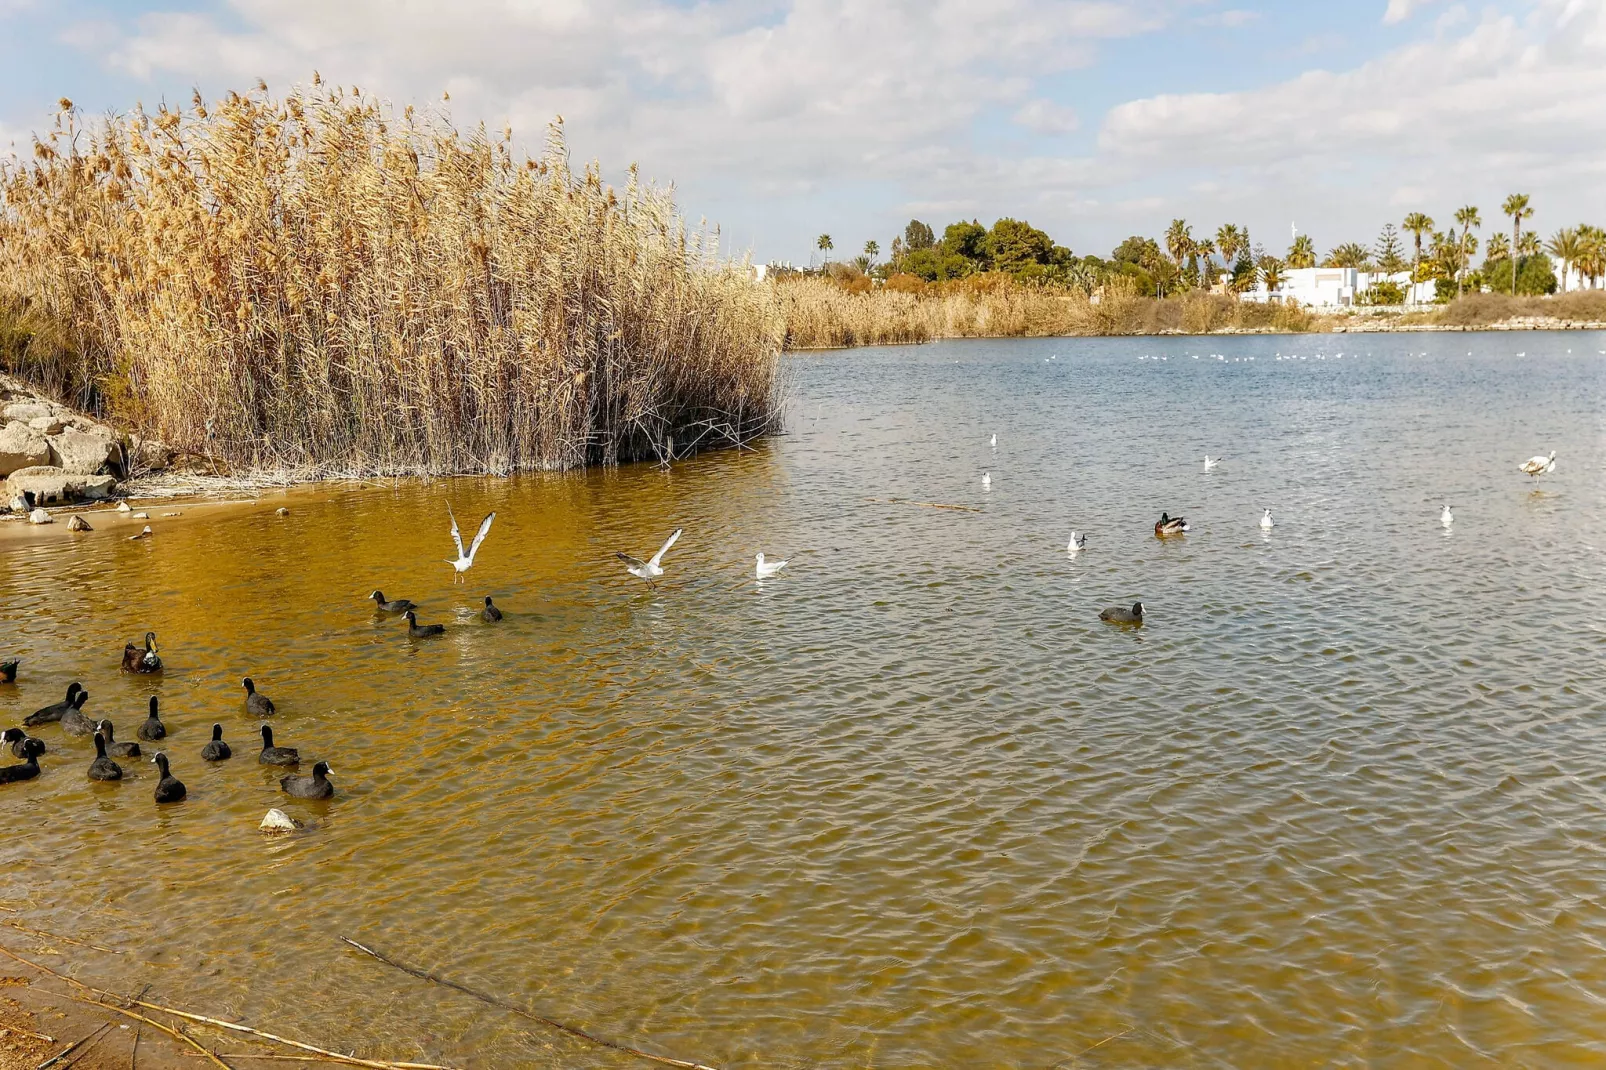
778, 120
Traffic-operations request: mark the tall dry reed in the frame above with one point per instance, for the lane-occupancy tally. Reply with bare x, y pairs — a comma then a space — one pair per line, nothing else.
821, 313
318, 284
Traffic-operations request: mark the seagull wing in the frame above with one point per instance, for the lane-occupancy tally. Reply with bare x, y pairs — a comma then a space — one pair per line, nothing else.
456, 536
485, 527
631, 562
658, 557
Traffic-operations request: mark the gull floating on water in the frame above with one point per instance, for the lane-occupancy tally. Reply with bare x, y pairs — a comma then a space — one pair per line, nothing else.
1078, 543
1538, 466
651, 568
466, 561
765, 569
1266, 521
987, 479
1211, 463
1446, 518
993, 441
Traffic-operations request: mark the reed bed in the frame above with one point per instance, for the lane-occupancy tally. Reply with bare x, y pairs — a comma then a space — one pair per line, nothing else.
316, 284
823, 313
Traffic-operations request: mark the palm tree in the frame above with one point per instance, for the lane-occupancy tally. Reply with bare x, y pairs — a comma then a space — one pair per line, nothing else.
823, 243
1179, 241
1564, 246
1418, 224
1271, 273
1231, 241
1205, 250
1591, 253
1349, 255
1302, 254
872, 249
1499, 249
1516, 207
1469, 219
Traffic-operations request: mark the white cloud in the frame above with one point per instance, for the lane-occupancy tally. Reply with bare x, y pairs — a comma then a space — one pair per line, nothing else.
1232, 18
1046, 117
1400, 10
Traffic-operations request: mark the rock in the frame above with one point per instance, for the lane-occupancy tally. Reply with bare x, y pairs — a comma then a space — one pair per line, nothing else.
52, 486
172, 514
46, 425
78, 523
28, 410
140, 516
78, 453
142, 535
39, 516
148, 455
22, 447
281, 511
279, 821
124, 507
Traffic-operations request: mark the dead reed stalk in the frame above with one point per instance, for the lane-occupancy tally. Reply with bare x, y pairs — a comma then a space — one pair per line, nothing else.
316, 284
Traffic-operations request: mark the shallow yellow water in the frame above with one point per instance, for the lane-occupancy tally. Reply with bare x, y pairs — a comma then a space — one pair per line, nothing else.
1340, 801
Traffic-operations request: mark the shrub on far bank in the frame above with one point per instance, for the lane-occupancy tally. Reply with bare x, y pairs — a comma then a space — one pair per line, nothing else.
1536, 277
1481, 310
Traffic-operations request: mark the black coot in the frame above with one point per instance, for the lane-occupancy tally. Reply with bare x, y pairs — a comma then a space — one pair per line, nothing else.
153, 728
217, 750
170, 788
316, 786
103, 768
272, 755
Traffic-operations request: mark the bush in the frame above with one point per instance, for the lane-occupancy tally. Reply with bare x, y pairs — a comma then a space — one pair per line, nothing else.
1384, 293
1536, 278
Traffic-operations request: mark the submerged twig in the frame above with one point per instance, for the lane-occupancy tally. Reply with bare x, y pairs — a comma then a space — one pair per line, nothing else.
496, 1001
74, 1046
174, 1033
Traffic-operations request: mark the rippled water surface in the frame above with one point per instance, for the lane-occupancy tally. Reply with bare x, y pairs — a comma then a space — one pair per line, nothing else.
1341, 800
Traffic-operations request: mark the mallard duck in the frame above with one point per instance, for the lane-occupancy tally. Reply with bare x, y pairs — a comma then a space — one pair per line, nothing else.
1534, 467
144, 661
400, 605
52, 713
31, 750
170, 788
8, 671
490, 614
1123, 615
422, 631
316, 786
256, 705
1170, 525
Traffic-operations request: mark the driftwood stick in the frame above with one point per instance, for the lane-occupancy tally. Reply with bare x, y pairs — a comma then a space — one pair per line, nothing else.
495, 1001
57, 936
324, 1053
74, 1046
174, 1033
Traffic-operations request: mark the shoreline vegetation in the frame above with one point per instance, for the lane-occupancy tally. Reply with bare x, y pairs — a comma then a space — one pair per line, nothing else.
829, 313
316, 285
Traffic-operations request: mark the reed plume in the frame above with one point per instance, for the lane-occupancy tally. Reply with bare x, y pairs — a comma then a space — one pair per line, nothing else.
319, 285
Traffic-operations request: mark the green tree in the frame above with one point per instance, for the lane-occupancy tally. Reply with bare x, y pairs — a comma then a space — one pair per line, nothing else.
1180, 244
1302, 254
1591, 257
936, 264
1231, 240
1349, 255
1205, 250
1516, 207
1470, 220
1271, 273
965, 239
1418, 224
1016, 246
872, 249
918, 236
1534, 277
1386, 253
823, 243
1498, 249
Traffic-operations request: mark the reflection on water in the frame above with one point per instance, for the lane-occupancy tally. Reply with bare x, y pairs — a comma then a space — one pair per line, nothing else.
909, 803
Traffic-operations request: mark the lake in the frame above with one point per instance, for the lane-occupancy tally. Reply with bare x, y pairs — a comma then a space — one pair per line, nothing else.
1341, 799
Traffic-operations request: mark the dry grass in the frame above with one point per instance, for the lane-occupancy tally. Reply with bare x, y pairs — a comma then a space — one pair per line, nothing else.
316, 284
1478, 310
822, 314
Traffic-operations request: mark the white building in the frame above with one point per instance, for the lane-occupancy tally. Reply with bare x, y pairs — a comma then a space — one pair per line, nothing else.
1337, 287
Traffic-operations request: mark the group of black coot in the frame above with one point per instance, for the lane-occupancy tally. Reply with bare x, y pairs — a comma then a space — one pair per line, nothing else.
69, 714
490, 614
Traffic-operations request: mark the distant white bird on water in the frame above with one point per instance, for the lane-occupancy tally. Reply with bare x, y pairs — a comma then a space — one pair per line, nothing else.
1266, 521
987, 479
1446, 518
993, 442
1211, 462
464, 561
1077, 544
652, 568
1538, 466
766, 569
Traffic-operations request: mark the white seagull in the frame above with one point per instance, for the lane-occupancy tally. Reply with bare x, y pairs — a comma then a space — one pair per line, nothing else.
464, 561
1266, 521
1446, 518
764, 569
987, 479
1538, 466
1078, 542
1209, 463
993, 442
652, 568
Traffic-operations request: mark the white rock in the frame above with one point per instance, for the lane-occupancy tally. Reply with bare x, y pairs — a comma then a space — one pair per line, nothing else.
124, 507
78, 523
46, 425
279, 821
81, 454
53, 485
28, 410
39, 516
22, 447
140, 516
